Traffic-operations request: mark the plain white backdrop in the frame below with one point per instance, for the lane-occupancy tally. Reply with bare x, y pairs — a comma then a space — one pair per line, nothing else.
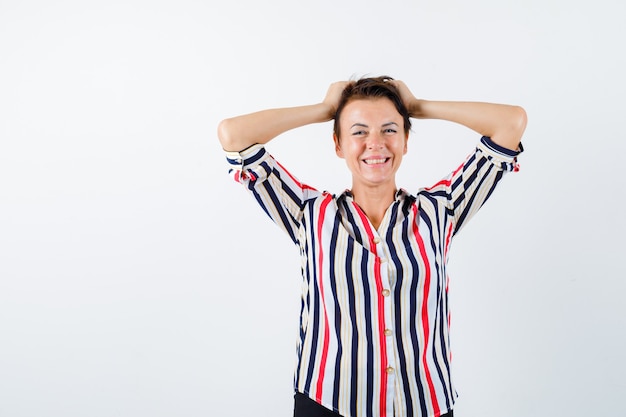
137, 279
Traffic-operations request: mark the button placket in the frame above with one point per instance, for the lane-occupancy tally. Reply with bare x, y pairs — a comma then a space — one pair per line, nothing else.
384, 265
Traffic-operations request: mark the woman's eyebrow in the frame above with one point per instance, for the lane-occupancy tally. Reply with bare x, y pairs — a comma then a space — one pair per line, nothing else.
383, 125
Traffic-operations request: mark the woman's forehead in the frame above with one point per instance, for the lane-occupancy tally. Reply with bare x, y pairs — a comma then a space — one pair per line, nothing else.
372, 109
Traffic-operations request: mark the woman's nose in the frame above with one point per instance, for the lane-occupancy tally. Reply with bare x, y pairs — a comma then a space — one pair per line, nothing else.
375, 141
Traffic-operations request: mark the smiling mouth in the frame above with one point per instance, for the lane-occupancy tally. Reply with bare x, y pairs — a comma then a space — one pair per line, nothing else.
375, 161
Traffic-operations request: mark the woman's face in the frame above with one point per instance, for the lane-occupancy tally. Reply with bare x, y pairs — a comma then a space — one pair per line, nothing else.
372, 141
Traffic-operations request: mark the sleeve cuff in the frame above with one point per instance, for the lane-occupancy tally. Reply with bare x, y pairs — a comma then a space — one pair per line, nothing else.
505, 158
245, 157
246, 165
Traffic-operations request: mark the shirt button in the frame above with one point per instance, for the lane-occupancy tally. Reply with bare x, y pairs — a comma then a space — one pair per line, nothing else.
388, 332
386, 292
390, 370
377, 240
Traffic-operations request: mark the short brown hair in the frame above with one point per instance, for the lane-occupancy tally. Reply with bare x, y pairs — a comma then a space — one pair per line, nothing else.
369, 88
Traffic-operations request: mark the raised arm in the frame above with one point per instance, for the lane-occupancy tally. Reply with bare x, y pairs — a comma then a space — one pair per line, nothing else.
503, 123
238, 133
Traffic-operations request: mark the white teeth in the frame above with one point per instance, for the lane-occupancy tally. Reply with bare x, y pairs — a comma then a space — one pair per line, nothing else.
375, 161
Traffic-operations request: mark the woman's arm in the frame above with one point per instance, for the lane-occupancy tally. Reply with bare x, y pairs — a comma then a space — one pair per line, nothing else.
238, 133
503, 123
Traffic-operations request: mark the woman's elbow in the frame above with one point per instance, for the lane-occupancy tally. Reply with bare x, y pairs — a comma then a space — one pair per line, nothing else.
225, 135
519, 120
516, 126
513, 123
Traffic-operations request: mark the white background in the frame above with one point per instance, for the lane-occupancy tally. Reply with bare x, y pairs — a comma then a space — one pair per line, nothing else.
137, 279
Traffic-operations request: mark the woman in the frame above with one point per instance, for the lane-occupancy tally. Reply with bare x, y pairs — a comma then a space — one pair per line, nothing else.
374, 315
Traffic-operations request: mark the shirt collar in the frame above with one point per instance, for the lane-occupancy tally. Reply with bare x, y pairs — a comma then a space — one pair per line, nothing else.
401, 195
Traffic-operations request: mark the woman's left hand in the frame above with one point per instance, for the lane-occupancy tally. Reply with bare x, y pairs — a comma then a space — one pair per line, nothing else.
411, 102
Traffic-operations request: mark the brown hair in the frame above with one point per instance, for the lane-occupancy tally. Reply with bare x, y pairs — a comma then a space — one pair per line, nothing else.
371, 88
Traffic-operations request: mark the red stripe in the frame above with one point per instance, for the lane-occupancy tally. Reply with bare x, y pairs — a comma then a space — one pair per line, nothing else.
298, 183
446, 249
320, 223
381, 313
448, 182
429, 380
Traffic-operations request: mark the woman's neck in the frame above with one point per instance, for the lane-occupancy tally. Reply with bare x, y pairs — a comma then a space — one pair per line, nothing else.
374, 202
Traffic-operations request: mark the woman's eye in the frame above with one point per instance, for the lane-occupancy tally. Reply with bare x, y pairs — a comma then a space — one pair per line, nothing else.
358, 133
390, 130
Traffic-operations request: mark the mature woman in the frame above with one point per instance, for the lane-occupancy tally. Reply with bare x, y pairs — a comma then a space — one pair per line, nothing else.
374, 319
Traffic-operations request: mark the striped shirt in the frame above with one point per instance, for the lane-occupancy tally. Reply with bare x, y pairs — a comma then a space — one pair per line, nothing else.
374, 318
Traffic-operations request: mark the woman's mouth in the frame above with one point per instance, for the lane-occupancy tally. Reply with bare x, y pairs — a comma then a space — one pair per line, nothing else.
375, 161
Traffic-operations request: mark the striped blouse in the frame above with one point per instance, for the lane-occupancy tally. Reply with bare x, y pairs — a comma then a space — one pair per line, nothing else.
374, 316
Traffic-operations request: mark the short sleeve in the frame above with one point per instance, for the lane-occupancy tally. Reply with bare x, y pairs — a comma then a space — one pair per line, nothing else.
275, 189
467, 188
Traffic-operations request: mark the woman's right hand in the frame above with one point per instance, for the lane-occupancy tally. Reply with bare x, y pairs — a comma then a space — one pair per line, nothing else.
333, 95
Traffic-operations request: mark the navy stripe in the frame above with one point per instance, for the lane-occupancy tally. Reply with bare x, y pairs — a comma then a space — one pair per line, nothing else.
259, 200
291, 193
338, 317
486, 140
351, 220
284, 218
397, 296
444, 354
469, 207
354, 350
367, 300
305, 300
496, 180
254, 158
413, 325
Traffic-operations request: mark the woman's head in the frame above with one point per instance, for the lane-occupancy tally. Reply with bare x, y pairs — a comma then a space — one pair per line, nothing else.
368, 89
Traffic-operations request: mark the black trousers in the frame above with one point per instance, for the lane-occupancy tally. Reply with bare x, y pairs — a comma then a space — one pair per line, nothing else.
306, 407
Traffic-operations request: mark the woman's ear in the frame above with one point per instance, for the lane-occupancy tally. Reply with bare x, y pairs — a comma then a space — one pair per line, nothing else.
338, 150
406, 142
